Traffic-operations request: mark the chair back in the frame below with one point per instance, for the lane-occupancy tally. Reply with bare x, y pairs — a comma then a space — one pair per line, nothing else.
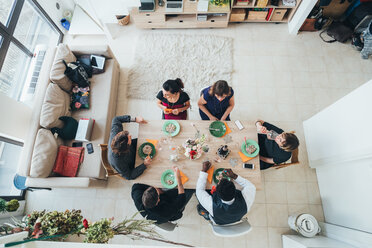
294, 160
233, 230
104, 160
168, 226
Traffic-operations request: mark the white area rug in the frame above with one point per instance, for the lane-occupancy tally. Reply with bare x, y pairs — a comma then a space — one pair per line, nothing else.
199, 60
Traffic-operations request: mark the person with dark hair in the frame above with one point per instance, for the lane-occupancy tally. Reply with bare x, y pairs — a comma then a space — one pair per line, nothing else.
277, 150
216, 102
122, 149
173, 100
161, 206
227, 205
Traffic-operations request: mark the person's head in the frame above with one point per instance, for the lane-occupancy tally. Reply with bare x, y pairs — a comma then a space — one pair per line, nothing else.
225, 189
121, 142
172, 87
220, 90
287, 141
150, 198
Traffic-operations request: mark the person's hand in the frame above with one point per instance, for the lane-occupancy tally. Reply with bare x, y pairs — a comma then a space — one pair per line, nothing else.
223, 118
147, 161
206, 166
177, 173
212, 118
230, 173
139, 119
175, 111
263, 129
167, 111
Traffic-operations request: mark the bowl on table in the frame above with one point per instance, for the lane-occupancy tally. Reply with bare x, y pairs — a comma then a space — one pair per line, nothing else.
142, 155
217, 128
249, 143
167, 124
217, 173
168, 179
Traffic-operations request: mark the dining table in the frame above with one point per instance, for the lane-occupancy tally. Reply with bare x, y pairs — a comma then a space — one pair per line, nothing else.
167, 146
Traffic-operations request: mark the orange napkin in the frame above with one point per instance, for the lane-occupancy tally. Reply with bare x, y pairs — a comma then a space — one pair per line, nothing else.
243, 157
228, 130
154, 142
184, 178
210, 174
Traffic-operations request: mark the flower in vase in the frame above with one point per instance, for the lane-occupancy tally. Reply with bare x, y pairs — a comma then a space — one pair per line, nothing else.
194, 148
188, 150
192, 154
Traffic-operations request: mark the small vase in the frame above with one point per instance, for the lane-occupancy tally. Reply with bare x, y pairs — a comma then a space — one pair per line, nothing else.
65, 23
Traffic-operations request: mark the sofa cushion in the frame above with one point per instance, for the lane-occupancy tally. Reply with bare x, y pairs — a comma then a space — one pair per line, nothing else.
44, 154
56, 104
57, 74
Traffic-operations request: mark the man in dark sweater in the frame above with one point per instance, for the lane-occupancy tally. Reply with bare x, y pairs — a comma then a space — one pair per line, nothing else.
161, 206
122, 149
227, 205
275, 151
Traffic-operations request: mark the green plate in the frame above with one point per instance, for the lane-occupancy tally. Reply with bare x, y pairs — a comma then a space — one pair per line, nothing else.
250, 142
168, 175
178, 128
217, 172
217, 125
142, 155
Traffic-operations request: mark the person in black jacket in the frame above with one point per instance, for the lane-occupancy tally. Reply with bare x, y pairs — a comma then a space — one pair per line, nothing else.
274, 151
161, 206
122, 149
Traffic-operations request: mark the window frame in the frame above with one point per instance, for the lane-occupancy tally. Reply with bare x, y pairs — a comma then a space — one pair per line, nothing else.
7, 37
7, 31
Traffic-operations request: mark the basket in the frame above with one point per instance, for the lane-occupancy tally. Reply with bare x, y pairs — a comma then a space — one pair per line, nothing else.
257, 15
123, 20
262, 3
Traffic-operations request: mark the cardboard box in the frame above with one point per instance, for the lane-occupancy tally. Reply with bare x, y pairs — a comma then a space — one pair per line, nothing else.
257, 15
278, 14
237, 15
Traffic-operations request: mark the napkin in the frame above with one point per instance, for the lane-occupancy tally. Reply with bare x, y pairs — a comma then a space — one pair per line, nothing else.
154, 142
210, 174
243, 157
184, 178
228, 130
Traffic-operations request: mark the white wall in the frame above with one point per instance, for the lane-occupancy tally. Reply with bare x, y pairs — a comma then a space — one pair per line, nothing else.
50, 7
339, 145
15, 117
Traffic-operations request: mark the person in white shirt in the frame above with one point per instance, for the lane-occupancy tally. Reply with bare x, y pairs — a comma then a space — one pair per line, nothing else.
227, 205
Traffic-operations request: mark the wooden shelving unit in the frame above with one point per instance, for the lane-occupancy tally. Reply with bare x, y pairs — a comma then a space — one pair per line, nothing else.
217, 16
290, 10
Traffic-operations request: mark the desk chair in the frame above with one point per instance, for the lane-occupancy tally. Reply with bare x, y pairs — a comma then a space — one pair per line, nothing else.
108, 168
232, 230
294, 160
168, 226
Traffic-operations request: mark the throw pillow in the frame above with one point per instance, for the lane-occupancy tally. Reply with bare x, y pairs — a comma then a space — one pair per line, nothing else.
69, 129
80, 98
56, 103
44, 154
58, 68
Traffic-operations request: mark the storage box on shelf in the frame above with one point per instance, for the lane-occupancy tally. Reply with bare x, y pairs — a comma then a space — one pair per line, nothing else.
259, 15
237, 15
278, 15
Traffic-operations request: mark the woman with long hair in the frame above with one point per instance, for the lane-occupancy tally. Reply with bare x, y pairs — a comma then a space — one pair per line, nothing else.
173, 100
216, 102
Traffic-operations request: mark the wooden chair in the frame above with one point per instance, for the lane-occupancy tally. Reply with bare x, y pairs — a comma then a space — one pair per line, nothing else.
294, 160
108, 168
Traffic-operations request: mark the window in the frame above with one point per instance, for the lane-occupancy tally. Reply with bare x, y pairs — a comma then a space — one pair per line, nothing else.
9, 156
26, 32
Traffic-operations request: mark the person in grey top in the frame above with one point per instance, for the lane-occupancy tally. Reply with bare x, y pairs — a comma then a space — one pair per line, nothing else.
122, 149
